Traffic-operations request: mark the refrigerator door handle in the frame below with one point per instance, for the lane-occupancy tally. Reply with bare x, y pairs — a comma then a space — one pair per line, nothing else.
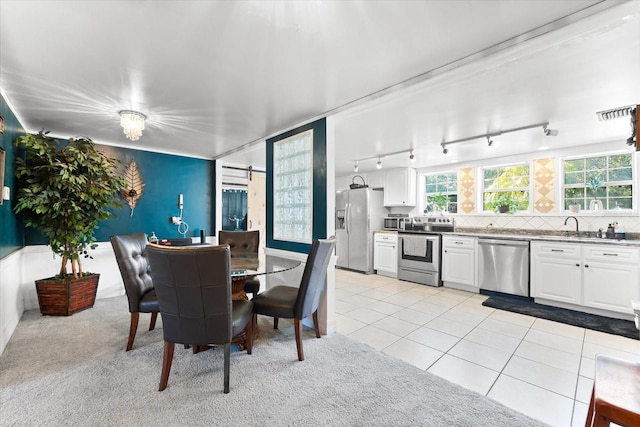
347, 218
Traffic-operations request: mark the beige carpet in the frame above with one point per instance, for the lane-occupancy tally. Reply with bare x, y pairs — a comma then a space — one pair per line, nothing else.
73, 370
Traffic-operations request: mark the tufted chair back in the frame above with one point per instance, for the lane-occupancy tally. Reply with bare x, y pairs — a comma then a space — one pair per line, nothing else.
130, 251
241, 243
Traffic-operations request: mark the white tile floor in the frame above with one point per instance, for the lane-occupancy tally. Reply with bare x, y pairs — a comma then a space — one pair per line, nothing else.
541, 368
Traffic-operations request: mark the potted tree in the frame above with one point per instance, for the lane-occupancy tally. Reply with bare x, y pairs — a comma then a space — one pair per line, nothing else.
64, 190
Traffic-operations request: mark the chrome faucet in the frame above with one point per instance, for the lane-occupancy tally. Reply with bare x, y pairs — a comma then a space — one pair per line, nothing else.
567, 219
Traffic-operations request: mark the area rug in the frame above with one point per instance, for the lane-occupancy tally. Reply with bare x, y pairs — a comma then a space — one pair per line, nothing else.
74, 371
625, 328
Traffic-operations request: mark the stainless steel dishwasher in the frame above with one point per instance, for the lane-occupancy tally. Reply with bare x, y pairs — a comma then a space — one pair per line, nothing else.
504, 266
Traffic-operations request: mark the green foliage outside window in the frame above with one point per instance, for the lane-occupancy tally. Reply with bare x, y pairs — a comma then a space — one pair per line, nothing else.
506, 185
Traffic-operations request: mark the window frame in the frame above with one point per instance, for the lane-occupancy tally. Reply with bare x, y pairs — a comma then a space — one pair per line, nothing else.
481, 187
584, 209
424, 195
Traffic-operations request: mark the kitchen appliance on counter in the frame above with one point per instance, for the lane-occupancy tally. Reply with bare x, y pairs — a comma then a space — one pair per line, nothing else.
419, 249
396, 221
359, 213
503, 266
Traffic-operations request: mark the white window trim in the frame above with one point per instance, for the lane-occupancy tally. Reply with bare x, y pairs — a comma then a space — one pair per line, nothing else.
480, 187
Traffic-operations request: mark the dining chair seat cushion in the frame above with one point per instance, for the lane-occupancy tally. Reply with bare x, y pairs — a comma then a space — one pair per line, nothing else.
241, 314
149, 302
278, 301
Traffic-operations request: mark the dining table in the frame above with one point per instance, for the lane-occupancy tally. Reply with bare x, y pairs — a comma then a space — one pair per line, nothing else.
249, 266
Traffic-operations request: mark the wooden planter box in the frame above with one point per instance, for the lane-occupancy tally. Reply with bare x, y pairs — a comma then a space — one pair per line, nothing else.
65, 297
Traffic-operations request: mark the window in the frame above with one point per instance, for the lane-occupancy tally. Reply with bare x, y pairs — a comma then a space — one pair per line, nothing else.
441, 192
506, 185
293, 185
608, 178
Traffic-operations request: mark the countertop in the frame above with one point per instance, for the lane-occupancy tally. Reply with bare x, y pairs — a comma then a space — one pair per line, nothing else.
583, 238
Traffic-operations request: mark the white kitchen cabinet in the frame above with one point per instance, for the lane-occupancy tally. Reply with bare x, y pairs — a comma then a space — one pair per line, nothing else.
460, 262
602, 277
400, 187
385, 254
556, 272
611, 278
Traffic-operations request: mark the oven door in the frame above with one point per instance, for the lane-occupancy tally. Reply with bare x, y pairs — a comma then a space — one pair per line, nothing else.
419, 251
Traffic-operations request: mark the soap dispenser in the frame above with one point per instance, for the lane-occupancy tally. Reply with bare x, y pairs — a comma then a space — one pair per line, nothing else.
610, 232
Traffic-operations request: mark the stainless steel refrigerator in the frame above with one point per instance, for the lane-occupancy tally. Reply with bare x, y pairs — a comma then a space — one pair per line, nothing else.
359, 213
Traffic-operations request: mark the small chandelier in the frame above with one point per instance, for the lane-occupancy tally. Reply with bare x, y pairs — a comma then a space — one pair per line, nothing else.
132, 123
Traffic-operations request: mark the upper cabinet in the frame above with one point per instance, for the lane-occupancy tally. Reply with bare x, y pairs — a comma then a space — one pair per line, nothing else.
400, 187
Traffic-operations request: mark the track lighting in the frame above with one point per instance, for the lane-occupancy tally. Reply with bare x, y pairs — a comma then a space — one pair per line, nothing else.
549, 132
489, 141
379, 164
355, 167
411, 156
445, 150
379, 157
631, 141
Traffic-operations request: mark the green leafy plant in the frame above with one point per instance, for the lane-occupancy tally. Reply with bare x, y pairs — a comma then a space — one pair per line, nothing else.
504, 203
64, 190
441, 201
594, 184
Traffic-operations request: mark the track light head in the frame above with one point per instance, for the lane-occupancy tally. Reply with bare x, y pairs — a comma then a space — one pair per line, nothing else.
549, 132
631, 141
355, 166
444, 150
379, 164
411, 156
489, 141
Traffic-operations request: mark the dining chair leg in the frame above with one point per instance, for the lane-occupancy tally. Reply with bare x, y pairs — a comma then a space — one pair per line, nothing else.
316, 325
227, 356
297, 326
248, 333
152, 324
589, 421
166, 364
133, 327
275, 323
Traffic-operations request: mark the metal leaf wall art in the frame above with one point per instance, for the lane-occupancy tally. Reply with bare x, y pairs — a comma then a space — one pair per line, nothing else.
134, 188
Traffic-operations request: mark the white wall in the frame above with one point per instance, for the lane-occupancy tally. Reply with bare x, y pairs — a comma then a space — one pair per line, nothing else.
11, 304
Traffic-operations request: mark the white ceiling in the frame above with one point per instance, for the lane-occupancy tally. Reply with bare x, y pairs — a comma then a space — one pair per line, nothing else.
214, 76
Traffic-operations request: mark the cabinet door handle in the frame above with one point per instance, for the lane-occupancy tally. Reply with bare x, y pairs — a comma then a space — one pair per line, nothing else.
446, 251
557, 250
459, 243
577, 265
586, 266
606, 254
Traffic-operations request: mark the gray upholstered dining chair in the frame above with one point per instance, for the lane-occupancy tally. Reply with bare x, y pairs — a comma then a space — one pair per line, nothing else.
289, 302
243, 243
193, 284
132, 261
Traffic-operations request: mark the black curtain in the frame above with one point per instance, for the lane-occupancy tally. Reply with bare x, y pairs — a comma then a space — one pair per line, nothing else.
234, 209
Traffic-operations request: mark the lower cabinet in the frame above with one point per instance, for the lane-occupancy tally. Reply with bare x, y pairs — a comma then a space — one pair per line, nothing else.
385, 254
602, 277
459, 262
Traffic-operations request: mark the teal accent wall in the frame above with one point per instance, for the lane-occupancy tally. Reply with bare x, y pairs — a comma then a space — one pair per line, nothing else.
165, 177
319, 186
11, 229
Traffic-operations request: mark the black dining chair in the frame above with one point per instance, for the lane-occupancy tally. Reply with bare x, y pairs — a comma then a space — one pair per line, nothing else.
243, 243
193, 284
289, 302
130, 252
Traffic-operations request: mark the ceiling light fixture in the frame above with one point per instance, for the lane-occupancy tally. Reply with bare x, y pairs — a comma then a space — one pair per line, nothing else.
132, 123
412, 158
615, 113
550, 132
496, 133
489, 141
634, 128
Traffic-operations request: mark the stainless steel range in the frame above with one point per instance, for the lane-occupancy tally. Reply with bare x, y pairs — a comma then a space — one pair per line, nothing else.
419, 249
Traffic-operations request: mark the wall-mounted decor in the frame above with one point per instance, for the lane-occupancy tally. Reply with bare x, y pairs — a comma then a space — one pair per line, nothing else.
1, 124
1, 175
134, 186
